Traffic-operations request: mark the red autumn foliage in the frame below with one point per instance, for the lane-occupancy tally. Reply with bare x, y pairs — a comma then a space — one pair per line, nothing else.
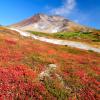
87, 94
16, 83
10, 41
78, 69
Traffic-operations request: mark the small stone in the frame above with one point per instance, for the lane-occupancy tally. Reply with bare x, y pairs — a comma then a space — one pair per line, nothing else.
52, 65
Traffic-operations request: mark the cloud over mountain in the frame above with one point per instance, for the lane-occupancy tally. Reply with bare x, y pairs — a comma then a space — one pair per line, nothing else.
65, 9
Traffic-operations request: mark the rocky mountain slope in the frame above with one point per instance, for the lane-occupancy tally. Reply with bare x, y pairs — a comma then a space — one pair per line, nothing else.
50, 24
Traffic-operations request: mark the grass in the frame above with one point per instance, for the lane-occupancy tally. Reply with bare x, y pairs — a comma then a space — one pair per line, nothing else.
60, 94
86, 36
73, 35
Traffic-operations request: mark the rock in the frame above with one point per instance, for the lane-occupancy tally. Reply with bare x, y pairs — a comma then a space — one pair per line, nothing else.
48, 71
52, 66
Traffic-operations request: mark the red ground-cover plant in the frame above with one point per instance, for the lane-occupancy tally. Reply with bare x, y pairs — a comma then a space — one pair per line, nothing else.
7, 55
77, 70
16, 82
10, 41
96, 69
87, 94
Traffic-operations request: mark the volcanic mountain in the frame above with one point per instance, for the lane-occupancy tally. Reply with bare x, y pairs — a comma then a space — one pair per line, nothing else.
50, 24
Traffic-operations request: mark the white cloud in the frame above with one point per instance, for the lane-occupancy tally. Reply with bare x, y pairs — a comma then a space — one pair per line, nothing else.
65, 9
69, 9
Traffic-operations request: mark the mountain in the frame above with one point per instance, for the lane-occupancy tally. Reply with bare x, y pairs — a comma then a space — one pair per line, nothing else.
50, 24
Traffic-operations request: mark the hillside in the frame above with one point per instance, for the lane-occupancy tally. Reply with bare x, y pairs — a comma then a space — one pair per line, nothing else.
92, 38
34, 70
50, 24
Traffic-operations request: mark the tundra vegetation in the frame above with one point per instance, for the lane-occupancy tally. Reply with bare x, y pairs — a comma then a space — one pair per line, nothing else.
22, 60
91, 37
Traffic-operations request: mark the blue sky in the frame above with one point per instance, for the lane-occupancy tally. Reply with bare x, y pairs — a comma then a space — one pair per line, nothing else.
86, 12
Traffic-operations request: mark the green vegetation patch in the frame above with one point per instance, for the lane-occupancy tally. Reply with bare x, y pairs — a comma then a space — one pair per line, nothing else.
85, 36
60, 94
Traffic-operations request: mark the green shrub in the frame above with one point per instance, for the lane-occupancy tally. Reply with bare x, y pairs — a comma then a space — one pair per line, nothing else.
60, 94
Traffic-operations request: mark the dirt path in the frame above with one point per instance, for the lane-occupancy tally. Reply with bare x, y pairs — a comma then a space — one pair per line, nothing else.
75, 44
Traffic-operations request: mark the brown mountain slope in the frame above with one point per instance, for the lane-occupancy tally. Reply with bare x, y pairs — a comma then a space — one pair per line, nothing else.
50, 24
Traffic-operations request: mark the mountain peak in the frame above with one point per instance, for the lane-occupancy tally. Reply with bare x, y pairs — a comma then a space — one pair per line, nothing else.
49, 24
40, 14
55, 17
